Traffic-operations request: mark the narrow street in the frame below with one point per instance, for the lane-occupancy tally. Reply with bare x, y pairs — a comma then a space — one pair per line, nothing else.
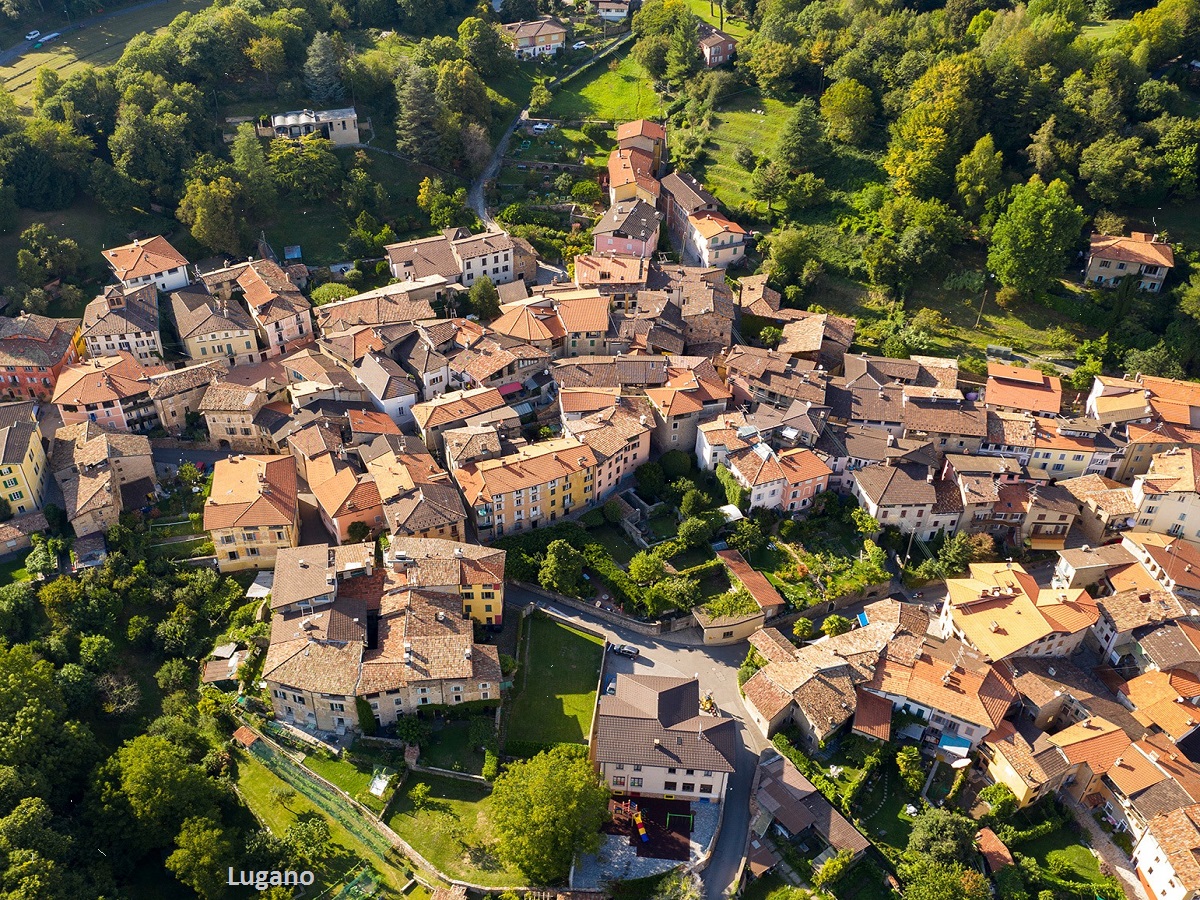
716, 668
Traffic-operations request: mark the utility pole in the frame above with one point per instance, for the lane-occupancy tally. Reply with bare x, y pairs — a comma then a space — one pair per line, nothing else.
983, 300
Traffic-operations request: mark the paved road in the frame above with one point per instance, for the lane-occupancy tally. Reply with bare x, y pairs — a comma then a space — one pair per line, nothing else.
16, 51
716, 668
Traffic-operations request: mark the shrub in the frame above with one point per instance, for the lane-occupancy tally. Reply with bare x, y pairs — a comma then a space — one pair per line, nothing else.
593, 518
366, 716
675, 464
735, 494
612, 512
491, 765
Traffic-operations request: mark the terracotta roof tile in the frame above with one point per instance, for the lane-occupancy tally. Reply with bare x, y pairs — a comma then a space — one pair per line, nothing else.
152, 256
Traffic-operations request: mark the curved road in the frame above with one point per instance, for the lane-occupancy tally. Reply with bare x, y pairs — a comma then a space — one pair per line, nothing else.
17, 50
716, 668
475, 198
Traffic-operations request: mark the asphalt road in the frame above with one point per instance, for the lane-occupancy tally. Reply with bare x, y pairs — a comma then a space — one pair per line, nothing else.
716, 668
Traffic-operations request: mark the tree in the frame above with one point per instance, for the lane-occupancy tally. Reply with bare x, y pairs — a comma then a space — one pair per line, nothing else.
771, 336
693, 532
268, 56
174, 675
323, 70
613, 512
1001, 801
748, 537
358, 532
912, 770
1032, 235
561, 568
462, 94
768, 182
803, 630
693, 503
675, 592
330, 292
418, 795
864, 523
204, 850
250, 162
96, 652
833, 868
646, 567
564, 182
417, 134
977, 177
849, 111
307, 167
540, 99
485, 299
40, 562
309, 839
1117, 170
675, 464
683, 51
801, 141
835, 625
482, 46
586, 192
212, 209
938, 881
650, 480
547, 809
942, 836
1160, 360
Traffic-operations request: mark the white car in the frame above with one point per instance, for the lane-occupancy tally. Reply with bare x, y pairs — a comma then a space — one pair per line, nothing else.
579, 45
33, 35
542, 127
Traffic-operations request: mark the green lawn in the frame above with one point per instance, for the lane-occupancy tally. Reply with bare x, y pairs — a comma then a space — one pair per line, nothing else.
664, 525
255, 783
353, 777
709, 12
558, 684
451, 748
714, 583
1103, 30
14, 570
97, 45
615, 542
466, 855
771, 887
738, 125
616, 96
692, 557
1064, 845
881, 810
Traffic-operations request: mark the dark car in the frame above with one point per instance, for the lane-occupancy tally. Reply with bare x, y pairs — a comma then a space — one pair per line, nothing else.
624, 650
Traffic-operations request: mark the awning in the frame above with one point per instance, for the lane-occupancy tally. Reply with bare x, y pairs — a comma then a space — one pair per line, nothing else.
507, 389
1048, 542
952, 743
523, 409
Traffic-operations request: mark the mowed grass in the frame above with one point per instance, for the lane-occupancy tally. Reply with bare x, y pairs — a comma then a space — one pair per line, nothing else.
1063, 845
735, 28
1103, 30
353, 778
618, 96
97, 45
256, 783
558, 688
738, 125
14, 569
466, 854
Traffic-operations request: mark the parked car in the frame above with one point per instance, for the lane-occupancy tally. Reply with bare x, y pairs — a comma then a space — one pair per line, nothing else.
542, 127
625, 650
33, 35
579, 45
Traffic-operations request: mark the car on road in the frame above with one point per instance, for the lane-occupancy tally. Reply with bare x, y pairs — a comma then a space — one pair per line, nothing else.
624, 650
33, 35
579, 45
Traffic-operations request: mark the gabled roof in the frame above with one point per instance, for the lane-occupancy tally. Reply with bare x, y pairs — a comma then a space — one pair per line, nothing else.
250, 491
690, 195
456, 406
710, 223
641, 128
1019, 388
543, 25
633, 219
197, 312
1139, 247
152, 256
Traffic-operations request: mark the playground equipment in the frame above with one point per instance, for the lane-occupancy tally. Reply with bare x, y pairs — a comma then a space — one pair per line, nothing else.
641, 826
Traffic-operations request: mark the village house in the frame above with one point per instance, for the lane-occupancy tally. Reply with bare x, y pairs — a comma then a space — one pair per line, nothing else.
905, 493
716, 46
252, 511
101, 474
1014, 389
647, 136
1117, 401
627, 227
755, 374
459, 256
1106, 508
533, 486
619, 277
683, 196
229, 412
121, 319
392, 390
568, 323
419, 497
818, 337
688, 398
176, 394
24, 469
1002, 612
730, 629
345, 495
152, 261
34, 351
455, 409
1170, 562
1144, 441
282, 315
1166, 496
1143, 256
619, 436
543, 36
339, 126
1165, 857
112, 390
632, 175
653, 741
470, 572
342, 628
784, 481
610, 10
1087, 566
713, 240
214, 328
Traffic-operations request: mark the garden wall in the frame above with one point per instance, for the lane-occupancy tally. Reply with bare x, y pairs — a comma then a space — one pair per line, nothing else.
650, 629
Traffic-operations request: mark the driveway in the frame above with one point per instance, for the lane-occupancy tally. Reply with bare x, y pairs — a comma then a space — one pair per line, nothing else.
716, 669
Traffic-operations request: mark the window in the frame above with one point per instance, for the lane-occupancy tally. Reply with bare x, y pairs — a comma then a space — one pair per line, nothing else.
689, 787
635, 782
670, 785
399, 701
618, 781
637, 768
620, 767
706, 788
338, 707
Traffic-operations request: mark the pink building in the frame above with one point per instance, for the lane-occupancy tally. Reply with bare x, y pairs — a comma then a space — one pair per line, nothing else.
629, 227
715, 44
113, 391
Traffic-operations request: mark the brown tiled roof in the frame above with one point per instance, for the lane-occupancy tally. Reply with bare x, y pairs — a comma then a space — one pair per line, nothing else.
177, 381
388, 305
609, 431
1019, 388
252, 491
117, 311
1028, 751
141, 258
456, 406
1139, 248
270, 294
872, 715
610, 371
22, 526
1094, 741
629, 218
89, 444
1178, 834
347, 493
655, 720
641, 128
197, 312
633, 165
109, 378
896, 485
794, 801
425, 257
31, 340
223, 397
1136, 609
752, 580
371, 421
995, 853
533, 465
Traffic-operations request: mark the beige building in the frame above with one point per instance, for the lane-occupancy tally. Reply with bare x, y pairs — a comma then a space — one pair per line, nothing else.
454, 410
282, 315
1141, 255
228, 411
343, 629
24, 469
177, 394
543, 36
252, 511
213, 328
123, 319
339, 126
101, 473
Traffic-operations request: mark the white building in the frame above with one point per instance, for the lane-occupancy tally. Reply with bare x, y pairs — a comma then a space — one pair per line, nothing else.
1166, 496
1166, 856
393, 391
122, 319
713, 240
153, 261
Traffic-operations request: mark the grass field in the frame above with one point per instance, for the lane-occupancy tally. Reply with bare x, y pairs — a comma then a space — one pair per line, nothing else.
881, 810
615, 542
353, 778
1063, 845
738, 125
465, 854
451, 748
558, 688
620, 95
735, 28
14, 569
255, 783
1103, 30
771, 887
97, 45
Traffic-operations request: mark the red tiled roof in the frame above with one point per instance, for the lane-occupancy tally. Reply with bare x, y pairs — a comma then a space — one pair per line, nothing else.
755, 582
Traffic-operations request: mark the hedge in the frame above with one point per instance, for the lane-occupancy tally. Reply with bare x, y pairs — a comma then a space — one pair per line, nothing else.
734, 492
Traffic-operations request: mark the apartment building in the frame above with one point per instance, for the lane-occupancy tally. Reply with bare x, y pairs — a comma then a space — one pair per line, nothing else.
101, 474
24, 469
534, 486
786, 481
214, 328
282, 316
113, 391
148, 262
620, 438
34, 351
229, 412
252, 511
122, 319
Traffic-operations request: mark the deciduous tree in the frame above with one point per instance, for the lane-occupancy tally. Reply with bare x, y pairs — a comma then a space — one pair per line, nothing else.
646, 567
849, 111
1032, 235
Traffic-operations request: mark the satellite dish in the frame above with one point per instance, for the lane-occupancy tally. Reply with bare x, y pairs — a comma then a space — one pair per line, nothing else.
960, 763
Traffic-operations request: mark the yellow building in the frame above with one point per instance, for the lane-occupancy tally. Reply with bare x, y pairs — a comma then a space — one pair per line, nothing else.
23, 466
474, 572
253, 511
534, 486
